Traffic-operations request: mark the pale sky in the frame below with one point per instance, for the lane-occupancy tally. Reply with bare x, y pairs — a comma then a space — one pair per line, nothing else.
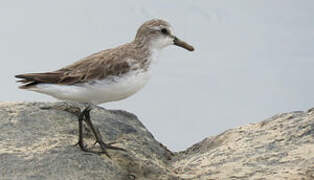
253, 59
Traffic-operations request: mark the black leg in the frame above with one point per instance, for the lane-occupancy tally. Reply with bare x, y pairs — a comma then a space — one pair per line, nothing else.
97, 135
85, 116
81, 139
80, 120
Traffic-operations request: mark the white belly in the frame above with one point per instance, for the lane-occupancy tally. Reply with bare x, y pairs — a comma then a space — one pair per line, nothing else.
98, 91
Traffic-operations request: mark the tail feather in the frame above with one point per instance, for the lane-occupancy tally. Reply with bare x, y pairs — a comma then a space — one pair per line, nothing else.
31, 79
28, 85
22, 81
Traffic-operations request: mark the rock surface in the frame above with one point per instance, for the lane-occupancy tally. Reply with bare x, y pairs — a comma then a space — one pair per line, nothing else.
36, 142
281, 147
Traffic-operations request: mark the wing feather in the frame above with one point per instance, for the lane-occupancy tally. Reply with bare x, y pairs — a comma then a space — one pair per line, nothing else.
96, 66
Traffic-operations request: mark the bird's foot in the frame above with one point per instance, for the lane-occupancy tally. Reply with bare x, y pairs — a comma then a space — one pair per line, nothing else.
105, 146
85, 116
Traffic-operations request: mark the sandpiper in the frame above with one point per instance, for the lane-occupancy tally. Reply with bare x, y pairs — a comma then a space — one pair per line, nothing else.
109, 75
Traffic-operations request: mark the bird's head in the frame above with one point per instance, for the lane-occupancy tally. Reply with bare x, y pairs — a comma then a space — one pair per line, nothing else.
158, 34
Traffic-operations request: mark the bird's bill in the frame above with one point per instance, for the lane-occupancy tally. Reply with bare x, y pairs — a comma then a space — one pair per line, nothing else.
180, 43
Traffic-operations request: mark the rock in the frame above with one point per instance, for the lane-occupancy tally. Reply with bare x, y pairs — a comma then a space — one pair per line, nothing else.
36, 142
281, 147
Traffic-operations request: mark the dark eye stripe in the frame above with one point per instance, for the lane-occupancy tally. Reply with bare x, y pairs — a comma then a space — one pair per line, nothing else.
164, 31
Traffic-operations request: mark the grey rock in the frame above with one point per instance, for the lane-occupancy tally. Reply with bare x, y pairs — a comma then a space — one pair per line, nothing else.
281, 147
36, 142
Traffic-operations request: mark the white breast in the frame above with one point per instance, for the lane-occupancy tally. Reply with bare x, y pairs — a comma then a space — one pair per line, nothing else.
98, 91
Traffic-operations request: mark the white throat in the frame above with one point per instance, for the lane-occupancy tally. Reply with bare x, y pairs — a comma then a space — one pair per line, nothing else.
156, 47
154, 57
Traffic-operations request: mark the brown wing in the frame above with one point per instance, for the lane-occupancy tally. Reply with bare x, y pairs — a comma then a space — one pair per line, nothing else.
96, 66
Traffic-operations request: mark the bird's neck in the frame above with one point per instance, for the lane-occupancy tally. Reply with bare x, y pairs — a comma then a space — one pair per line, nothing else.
146, 54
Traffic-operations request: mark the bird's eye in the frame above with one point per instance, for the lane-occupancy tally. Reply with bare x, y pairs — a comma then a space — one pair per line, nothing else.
164, 31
